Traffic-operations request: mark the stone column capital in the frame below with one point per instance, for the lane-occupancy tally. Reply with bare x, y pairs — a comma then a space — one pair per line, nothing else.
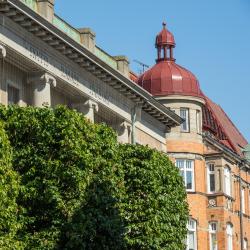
125, 125
92, 105
123, 131
44, 78
3, 52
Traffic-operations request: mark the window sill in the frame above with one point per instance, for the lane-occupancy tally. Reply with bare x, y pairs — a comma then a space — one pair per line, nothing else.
190, 191
220, 194
185, 132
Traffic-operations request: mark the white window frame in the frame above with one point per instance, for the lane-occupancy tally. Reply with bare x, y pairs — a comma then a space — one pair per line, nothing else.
210, 172
227, 181
213, 231
192, 228
229, 232
245, 244
186, 165
185, 116
243, 200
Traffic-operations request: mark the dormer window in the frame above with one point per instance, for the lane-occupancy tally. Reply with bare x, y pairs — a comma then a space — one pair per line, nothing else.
184, 114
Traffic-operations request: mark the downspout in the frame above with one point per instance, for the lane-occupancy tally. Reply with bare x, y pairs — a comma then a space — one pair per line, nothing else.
135, 116
2, 57
241, 212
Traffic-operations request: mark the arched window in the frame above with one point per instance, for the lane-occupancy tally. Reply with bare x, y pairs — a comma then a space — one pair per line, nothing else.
211, 177
229, 232
227, 180
213, 236
191, 237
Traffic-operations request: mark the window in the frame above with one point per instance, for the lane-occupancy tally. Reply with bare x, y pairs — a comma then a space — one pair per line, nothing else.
245, 244
243, 200
211, 177
187, 172
227, 179
229, 232
184, 114
198, 121
13, 95
191, 237
213, 236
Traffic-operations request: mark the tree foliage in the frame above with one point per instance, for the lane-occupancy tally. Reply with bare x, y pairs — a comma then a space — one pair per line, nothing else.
155, 208
8, 193
80, 189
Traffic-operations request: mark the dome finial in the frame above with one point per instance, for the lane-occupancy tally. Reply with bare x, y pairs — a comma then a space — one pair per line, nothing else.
164, 24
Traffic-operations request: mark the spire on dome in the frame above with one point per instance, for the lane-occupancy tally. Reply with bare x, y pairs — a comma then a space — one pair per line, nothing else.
165, 43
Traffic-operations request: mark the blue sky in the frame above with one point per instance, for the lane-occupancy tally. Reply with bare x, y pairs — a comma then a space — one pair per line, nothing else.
212, 40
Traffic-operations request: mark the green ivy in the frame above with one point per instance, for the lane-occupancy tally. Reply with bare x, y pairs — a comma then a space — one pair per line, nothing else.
74, 187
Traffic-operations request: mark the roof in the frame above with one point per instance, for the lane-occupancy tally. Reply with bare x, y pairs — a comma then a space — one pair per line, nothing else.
164, 38
168, 78
218, 122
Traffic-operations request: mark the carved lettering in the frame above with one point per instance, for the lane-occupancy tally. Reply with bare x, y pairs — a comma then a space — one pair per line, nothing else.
36, 54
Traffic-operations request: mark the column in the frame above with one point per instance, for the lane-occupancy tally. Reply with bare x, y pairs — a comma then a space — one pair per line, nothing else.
41, 84
123, 132
88, 108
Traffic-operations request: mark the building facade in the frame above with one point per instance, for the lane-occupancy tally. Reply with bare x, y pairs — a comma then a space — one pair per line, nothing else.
45, 62
212, 155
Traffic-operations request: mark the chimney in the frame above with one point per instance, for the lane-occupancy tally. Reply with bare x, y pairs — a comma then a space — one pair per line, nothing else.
122, 64
88, 38
46, 9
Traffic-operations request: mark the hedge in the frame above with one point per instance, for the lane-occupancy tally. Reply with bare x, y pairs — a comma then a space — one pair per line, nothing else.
80, 189
9, 188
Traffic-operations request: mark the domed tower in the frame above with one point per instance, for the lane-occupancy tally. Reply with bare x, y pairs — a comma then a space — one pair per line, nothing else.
178, 89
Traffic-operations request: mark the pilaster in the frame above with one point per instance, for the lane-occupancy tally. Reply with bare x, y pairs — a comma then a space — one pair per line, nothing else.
41, 89
88, 108
123, 132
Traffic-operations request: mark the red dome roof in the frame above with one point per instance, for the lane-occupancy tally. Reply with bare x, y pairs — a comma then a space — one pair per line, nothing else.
165, 37
166, 77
